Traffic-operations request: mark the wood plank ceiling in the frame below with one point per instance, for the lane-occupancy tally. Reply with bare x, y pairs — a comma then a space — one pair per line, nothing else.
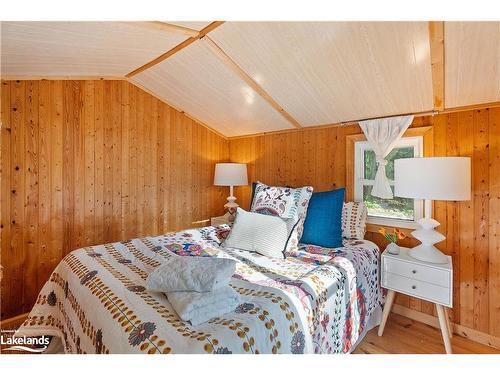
324, 73
194, 80
251, 77
107, 49
472, 56
195, 25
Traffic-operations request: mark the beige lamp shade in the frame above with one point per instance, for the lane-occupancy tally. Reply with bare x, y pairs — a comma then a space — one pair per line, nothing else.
435, 178
230, 174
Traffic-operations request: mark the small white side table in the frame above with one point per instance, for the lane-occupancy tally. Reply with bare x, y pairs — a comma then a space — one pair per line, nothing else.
219, 220
428, 281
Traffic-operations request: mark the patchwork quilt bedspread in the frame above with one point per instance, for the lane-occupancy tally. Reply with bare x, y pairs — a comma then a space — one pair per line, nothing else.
317, 300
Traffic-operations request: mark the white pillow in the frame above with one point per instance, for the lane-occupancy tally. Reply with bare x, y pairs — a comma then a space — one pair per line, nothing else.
265, 234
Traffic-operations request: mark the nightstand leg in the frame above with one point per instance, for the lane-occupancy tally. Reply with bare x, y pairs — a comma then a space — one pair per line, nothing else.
387, 309
448, 323
444, 328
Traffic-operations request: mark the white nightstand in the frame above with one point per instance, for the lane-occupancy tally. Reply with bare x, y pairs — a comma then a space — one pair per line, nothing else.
428, 281
219, 220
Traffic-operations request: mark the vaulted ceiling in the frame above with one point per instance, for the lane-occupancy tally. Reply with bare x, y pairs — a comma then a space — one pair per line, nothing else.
252, 77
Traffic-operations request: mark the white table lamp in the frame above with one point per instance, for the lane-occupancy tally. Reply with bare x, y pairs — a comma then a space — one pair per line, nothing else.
434, 178
231, 174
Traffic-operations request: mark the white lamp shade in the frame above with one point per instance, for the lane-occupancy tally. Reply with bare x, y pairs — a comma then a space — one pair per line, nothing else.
440, 178
230, 174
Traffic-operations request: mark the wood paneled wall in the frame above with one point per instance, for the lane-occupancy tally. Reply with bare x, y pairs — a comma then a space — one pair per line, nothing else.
317, 157
90, 162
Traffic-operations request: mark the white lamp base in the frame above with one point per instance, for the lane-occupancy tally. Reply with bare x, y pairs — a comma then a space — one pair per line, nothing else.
231, 206
428, 254
428, 236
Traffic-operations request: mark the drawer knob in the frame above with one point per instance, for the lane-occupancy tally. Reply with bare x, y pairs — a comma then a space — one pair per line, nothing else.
414, 271
414, 287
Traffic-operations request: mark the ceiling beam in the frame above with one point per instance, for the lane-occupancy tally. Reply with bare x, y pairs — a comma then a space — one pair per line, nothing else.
326, 126
474, 107
156, 25
436, 40
231, 64
176, 49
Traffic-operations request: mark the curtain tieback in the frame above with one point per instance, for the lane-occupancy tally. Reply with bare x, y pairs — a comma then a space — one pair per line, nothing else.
381, 162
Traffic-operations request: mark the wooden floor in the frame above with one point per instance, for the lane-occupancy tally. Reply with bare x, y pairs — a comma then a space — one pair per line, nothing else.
405, 336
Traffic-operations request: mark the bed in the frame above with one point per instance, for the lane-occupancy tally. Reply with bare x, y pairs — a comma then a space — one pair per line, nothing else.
317, 300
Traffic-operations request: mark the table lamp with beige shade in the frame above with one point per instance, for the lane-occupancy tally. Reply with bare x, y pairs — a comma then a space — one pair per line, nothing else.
231, 174
432, 178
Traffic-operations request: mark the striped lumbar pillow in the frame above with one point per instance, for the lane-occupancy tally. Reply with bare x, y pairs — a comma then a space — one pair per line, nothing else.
354, 216
265, 234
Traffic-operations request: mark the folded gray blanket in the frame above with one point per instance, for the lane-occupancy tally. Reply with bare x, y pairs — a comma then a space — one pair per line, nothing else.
198, 308
191, 274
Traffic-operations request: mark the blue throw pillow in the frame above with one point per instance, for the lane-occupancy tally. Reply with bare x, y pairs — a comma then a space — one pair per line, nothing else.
323, 225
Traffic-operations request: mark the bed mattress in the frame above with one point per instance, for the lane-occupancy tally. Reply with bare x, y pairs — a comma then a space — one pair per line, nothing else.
317, 300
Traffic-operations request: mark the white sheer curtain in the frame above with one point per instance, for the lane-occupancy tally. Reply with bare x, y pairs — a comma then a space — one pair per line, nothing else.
383, 134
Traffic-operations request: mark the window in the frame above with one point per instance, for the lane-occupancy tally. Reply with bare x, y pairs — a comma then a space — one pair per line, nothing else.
401, 212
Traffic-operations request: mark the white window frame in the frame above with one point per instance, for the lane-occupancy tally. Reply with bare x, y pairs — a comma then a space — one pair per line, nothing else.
360, 147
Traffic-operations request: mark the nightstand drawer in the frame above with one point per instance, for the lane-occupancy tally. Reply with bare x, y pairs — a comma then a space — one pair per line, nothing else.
417, 288
415, 271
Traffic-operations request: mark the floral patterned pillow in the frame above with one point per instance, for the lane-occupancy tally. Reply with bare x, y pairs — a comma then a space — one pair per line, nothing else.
286, 203
354, 220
